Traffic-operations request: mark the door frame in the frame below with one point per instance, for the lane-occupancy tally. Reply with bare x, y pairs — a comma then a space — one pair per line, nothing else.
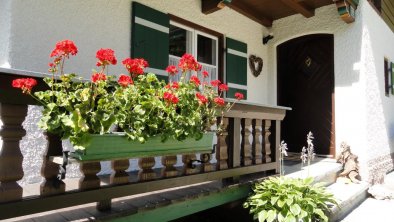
332, 148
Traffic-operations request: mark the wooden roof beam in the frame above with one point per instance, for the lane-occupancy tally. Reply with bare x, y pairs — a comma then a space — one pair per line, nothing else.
296, 6
250, 13
210, 6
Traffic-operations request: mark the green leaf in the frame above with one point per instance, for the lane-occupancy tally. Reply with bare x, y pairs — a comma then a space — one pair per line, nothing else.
273, 200
271, 215
308, 180
263, 215
295, 209
290, 218
321, 214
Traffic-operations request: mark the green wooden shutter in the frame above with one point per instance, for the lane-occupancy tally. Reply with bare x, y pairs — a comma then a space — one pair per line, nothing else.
150, 38
236, 67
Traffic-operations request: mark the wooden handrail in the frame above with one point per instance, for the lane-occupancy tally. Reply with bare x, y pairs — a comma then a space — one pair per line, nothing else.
236, 155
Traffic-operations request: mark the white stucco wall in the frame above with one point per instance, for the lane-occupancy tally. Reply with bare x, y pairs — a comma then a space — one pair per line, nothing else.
5, 17
36, 25
362, 112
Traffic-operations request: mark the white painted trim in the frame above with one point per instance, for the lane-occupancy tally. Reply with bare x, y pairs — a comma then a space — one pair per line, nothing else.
156, 71
237, 86
152, 25
237, 53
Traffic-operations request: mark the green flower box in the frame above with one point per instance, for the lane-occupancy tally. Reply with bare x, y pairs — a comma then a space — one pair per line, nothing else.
117, 146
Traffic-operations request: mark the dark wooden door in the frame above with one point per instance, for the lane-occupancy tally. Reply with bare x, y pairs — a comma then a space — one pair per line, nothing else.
306, 84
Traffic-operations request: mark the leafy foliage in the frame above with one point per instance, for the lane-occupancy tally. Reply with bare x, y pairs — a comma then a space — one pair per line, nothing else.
289, 200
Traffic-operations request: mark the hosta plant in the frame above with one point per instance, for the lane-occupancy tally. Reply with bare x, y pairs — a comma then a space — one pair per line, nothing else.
138, 102
290, 200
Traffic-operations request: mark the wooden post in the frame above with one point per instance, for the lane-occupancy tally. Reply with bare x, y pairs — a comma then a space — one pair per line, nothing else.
11, 157
206, 165
257, 145
267, 144
276, 145
222, 146
52, 184
146, 172
236, 144
188, 165
119, 176
169, 170
89, 179
246, 145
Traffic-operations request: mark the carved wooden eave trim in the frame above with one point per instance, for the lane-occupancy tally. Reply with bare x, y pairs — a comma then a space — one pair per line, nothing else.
347, 9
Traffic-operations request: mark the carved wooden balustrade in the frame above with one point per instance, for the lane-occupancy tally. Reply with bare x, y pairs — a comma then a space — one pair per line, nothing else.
248, 144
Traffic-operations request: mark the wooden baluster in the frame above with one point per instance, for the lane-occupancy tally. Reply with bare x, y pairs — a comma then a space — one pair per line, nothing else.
267, 145
52, 184
188, 166
146, 172
206, 165
89, 180
168, 162
120, 176
246, 145
222, 146
257, 145
11, 157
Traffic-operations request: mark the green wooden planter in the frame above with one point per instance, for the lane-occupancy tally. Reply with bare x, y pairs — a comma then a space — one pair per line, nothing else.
116, 146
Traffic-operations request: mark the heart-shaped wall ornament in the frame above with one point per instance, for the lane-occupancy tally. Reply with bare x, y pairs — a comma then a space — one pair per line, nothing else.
255, 65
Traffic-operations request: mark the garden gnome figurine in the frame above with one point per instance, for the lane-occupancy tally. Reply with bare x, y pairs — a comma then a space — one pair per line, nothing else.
350, 164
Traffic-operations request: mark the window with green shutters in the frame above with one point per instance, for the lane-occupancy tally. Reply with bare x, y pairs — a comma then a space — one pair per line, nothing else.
150, 38
236, 67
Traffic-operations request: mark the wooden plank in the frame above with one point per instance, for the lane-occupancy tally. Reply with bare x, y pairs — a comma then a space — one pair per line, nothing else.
210, 6
181, 209
239, 7
296, 6
236, 154
30, 206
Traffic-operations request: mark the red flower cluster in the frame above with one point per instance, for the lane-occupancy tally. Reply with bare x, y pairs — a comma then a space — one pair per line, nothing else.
195, 80
26, 84
135, 66
172, 70
205, 73
223, 87
239, 95
170, 97
215, 83
202, 99
106, 57
98, 76
189, 63
219, 101
125, 80
174, 85
64, 48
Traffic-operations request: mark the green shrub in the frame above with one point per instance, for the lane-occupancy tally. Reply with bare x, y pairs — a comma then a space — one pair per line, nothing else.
289, 199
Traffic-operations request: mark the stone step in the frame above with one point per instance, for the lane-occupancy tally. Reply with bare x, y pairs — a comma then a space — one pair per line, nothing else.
349, 196
322, 170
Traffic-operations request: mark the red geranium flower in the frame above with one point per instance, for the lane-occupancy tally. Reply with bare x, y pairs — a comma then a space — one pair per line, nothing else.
223, 87
64, 48
106, 57
188, 62
172, 70
219, 101
205, 73
135, 66
175, 85
195, 80
125, 80
171, 98
239, 95
202, 99
215, 82
98, 76
26, 84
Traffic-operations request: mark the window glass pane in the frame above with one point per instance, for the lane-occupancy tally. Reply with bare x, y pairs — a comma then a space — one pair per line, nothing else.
206, 50
178, 41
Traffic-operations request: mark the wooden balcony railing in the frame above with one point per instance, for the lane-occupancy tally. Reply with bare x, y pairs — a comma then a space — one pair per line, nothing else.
248, 145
